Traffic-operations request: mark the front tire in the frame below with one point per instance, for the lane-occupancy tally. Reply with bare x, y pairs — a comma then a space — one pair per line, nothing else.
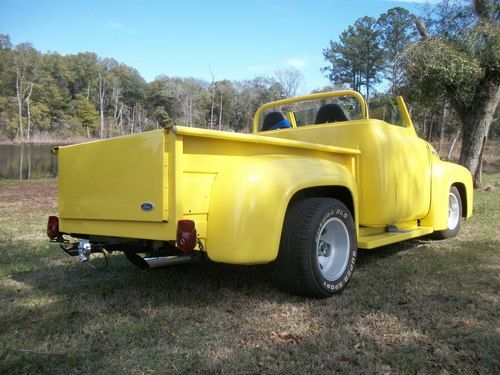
454, 216
318, 248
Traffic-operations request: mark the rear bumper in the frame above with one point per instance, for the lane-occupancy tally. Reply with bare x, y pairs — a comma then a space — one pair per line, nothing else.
162, 231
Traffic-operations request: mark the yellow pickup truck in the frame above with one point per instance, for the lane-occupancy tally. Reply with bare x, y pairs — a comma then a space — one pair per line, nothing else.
316, 180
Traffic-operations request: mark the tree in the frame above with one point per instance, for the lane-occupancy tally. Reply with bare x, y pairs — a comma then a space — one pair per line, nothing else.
462, 63
345, 66
290, 80
25, 57
5, 43
86, 113
357, 59
398, 32
81, 74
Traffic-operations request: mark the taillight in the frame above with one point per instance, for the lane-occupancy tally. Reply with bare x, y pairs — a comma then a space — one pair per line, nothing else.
186, 235
53, 227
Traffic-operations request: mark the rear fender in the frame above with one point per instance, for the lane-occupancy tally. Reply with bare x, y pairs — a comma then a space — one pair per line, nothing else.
248, 203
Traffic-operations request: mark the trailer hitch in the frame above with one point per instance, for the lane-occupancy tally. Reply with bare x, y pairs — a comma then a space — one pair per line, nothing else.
83, 249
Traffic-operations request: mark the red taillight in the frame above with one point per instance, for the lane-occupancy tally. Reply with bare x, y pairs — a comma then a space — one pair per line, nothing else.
53, 227
186, 235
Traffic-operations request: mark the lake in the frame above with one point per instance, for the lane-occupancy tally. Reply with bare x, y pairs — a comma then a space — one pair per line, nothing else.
27, 161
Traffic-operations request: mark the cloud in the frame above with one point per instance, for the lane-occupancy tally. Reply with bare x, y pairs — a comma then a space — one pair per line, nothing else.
257, 68
119, 26
296, 62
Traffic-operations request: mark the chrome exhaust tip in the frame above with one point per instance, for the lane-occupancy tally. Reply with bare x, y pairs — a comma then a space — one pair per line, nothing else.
154, 262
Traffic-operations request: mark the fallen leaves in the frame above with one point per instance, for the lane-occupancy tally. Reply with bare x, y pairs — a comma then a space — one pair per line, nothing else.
284, 337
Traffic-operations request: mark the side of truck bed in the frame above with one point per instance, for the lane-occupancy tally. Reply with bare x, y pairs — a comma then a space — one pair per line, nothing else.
140, 186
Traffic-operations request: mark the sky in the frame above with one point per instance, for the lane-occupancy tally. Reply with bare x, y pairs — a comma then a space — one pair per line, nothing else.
232, 39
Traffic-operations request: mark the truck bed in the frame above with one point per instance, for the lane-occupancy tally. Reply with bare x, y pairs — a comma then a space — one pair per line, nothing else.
139, 186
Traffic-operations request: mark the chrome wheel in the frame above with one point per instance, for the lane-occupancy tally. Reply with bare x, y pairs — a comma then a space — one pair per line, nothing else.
453, 211
332, 249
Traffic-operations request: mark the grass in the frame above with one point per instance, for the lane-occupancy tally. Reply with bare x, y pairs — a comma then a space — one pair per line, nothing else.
416, 307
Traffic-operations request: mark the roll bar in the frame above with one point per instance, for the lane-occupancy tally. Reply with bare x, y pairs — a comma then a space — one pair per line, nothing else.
321, 95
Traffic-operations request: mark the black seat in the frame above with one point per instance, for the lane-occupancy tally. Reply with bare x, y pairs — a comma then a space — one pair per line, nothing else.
331, 113
274, 120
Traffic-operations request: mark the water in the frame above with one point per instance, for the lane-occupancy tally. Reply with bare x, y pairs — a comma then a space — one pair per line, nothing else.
26, 162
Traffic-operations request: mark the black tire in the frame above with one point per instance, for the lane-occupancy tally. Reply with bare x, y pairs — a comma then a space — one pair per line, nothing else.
298, 266
451, 232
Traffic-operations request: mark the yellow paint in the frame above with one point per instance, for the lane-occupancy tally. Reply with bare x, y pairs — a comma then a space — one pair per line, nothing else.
444, 175
291, 117
248, 203
237, 187
372, 241
110, 179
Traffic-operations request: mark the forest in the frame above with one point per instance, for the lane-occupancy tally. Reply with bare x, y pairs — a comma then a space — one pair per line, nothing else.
445, 62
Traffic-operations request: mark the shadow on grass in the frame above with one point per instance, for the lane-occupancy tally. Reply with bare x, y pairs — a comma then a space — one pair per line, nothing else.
65, 276
409, 307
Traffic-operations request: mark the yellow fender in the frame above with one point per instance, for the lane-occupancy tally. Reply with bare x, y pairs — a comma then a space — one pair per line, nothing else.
249, 201
444, 175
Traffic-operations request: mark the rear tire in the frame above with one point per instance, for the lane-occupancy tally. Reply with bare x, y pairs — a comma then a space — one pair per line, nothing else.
318, 248
454, 216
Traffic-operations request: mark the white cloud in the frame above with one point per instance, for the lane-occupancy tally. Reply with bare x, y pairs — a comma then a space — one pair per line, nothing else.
119, 26
296, 62
257, 68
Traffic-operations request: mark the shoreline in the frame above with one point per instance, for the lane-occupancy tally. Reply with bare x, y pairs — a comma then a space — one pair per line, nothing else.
67, 141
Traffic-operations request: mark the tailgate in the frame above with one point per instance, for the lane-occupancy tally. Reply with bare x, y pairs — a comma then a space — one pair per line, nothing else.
114, 179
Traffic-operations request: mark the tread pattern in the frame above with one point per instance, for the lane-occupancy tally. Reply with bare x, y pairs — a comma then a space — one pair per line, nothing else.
295, 271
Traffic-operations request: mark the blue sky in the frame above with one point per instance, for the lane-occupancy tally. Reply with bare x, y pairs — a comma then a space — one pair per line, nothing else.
236, 39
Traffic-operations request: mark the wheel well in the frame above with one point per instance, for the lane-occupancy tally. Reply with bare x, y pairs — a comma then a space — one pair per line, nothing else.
341, 193
463, 196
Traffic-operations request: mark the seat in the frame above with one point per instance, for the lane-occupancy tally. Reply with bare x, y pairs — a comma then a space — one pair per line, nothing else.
275, 120
331, 113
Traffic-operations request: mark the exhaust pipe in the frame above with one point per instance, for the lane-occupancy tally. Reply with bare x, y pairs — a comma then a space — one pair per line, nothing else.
154, 262
167, 261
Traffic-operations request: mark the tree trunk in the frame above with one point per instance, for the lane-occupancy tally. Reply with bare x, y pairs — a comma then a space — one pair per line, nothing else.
139, 119
452, 147
212, 109
19, 83
429, 137
132, 126
120, 121
443, 126
101, 105
220, 112
29, 162
476, 122
394, 78
21, 162
478, 175
424, 126
367, 88
28, 113
190, 105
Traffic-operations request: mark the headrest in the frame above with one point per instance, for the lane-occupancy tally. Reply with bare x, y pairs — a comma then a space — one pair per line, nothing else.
275, 120
331, 113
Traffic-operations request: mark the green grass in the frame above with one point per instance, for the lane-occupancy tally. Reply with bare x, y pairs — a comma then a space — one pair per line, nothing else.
416, 307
